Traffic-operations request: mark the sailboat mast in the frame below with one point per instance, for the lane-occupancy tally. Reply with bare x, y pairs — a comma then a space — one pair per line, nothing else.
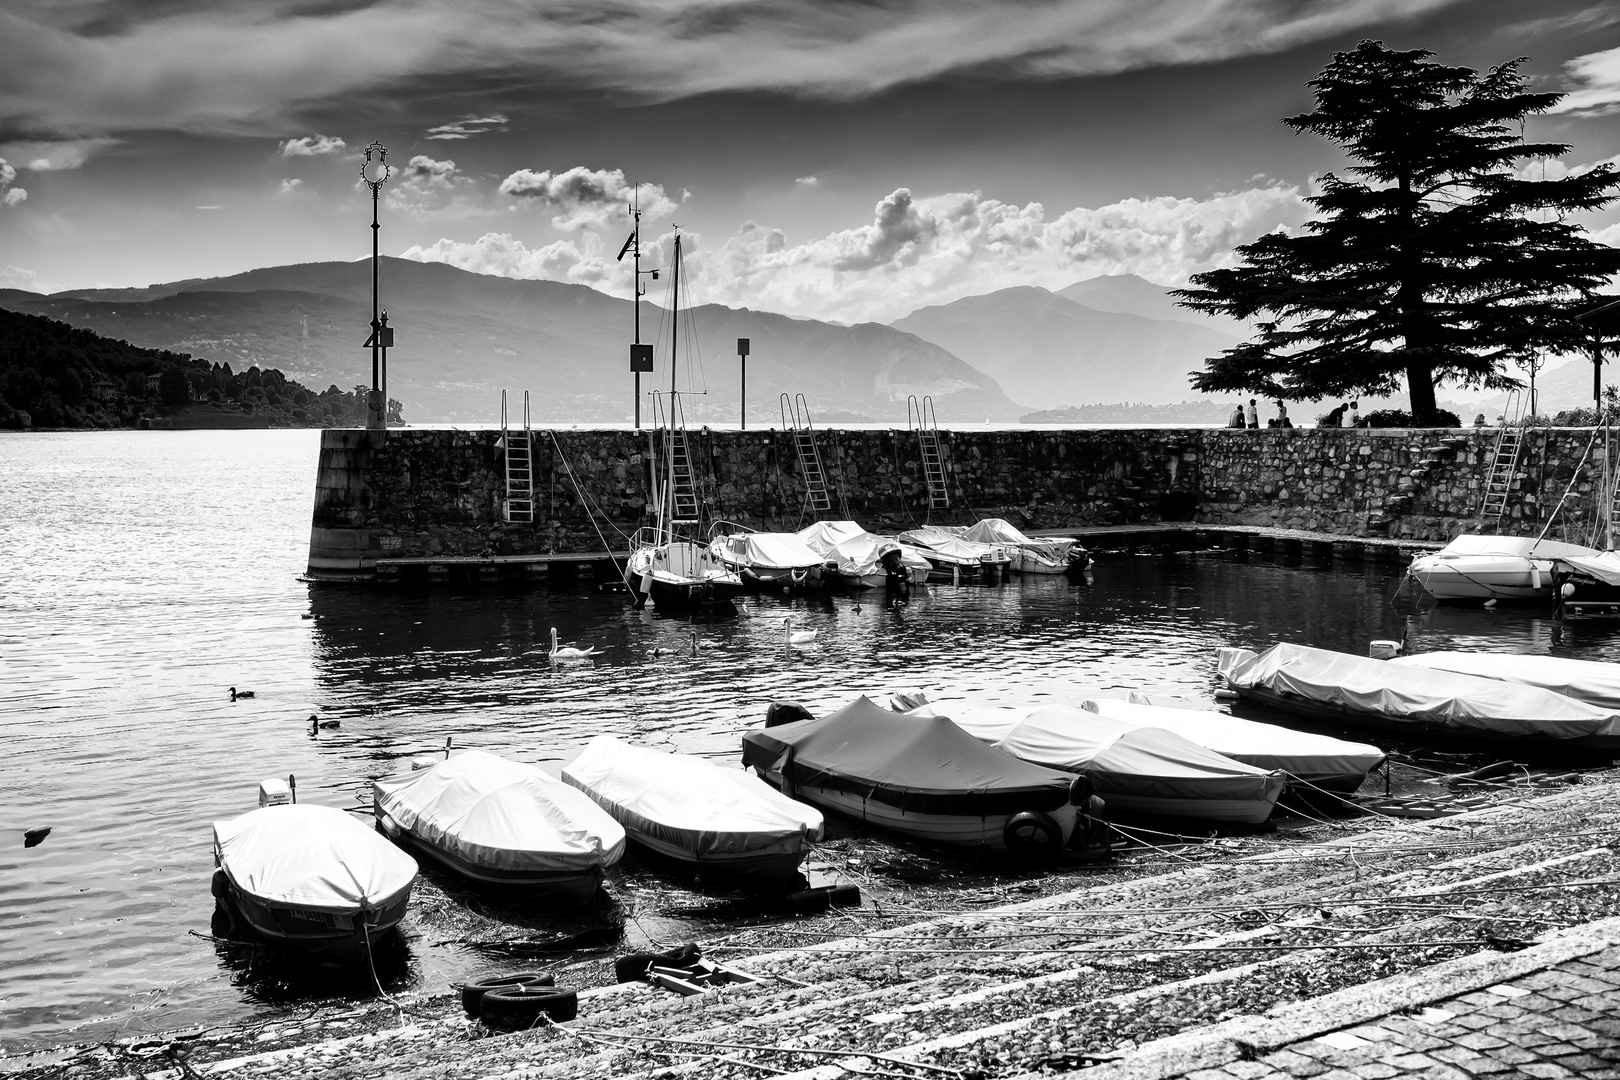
675, 313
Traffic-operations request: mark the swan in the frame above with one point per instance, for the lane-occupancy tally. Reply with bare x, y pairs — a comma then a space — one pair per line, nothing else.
568, 652
797, 637
661, 650
317, 724
235, 693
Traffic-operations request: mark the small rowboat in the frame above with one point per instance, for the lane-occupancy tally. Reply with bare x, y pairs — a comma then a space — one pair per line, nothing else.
312, 877
502, 823
717, 821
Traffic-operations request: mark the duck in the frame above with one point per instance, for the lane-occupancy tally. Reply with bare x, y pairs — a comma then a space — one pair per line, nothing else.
235, 693
661, 650
797, 637
569, 652
317, 724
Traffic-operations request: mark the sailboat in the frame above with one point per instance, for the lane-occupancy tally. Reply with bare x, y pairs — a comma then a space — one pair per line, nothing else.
672, 568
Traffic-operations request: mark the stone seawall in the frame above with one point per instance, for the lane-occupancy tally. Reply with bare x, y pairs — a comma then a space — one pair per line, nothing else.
426, 493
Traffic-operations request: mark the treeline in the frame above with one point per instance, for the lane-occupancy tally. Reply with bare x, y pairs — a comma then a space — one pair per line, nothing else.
53, 375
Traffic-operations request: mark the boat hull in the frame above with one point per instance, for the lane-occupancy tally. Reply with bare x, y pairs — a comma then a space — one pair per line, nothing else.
949, 830
760, 869
571, 889
690, 595
1483, 577
328, 935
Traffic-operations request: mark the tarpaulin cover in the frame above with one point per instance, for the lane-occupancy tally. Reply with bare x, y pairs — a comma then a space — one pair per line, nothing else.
1591, 681
1126, 759
1605, 566
1000, 532
987, 723
501, 814
1467, 703
313, 857
949, 547
767, 550
1265, 746
1522, 546
689, 802
857, 552
917, 763
823, 535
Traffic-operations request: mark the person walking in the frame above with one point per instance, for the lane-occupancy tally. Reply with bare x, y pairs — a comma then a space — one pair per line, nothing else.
1253, 413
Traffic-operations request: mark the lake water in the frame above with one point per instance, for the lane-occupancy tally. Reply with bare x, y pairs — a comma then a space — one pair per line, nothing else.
147, 572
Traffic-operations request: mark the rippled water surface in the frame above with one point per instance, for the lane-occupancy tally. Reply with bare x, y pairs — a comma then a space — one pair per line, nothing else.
147, 572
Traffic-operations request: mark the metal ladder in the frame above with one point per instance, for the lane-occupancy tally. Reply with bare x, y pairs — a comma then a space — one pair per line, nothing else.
683, 491
519, 504
796, 419
921, 419
1505, 459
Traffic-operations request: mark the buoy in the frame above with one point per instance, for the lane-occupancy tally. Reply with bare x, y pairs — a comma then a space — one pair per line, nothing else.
1567, 590
1226, 695
1490, 603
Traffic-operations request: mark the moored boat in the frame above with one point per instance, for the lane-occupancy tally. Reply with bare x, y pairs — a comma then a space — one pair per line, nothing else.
859, 559
312, 877
1592, 681
1359, 691
718, 821
775, 559
502, 823
1030, 555
1476, 567
956, 559
681, 575
922, 776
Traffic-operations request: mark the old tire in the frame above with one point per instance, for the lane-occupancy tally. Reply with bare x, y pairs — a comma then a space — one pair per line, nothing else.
1032, 835
515, 1008
472, 994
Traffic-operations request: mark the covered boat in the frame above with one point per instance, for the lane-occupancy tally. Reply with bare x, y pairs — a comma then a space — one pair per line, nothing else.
918, 775
861, 559
765, 558
716, 820
501, 822
681, 575
1342, 688
1045, 555
1592, 681
312, 877
1475, 567
1319, 760
954, 557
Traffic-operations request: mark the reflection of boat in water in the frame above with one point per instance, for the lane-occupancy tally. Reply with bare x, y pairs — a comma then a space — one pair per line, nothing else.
859, 559
718, 821
922, 776
503, 823
1475, 567
955, 558
311, 877
1030, 555
1359, 691
775, 559
1592, 681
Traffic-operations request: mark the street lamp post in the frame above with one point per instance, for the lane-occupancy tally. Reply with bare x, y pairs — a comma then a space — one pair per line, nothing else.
375, 171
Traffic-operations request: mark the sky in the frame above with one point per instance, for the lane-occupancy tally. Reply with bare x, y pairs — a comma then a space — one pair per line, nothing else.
837, 159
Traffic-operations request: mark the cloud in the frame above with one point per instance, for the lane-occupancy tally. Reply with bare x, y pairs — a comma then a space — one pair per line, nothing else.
13, 196
586, 197
288, 186
211, 206
253, 67
807, 181
919, 251
15, 277
1596, 79
9, 196
468, 126
312, 146
424, 186
53, 156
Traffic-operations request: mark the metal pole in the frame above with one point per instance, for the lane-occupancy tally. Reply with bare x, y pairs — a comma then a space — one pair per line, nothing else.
376, 323
635, 301
742, 405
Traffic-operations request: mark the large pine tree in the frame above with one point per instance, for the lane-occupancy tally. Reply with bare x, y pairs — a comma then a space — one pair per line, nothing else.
1446, 258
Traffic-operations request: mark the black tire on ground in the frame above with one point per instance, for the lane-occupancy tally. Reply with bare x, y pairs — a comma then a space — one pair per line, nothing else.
514, 1008
472, 994
1033, 834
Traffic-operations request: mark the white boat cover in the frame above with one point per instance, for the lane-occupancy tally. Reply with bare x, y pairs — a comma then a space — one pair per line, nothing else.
1125, 758
825, 535
1521, 546
1001, 532
1591, 681
1468, 703
502, 814
987, 723
1604, 566
857, 552
767, 550
1265, 746
311, 856
948, 547
686, 801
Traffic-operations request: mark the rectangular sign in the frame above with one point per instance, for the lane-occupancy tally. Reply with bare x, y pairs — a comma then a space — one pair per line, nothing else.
742, 346
641, 358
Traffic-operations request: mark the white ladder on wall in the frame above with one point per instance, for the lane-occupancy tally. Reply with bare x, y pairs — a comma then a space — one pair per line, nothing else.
1505, 459
920, 417
519, 444
796, 419
683, 490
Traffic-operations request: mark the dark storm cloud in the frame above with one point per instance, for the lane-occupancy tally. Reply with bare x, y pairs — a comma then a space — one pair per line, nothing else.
255, 66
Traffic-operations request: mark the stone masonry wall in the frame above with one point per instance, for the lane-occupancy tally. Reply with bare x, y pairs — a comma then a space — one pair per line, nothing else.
429, 492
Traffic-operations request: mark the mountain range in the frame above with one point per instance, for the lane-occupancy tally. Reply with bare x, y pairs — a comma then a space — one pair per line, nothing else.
461, 337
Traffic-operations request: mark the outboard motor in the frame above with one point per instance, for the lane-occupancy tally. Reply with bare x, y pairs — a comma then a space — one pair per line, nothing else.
786, 712
896, 578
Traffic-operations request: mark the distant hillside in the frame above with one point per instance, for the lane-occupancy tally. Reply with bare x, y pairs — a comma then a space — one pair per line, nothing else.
1127, 294
462, 337
1043, 348
55, 376
1195, 411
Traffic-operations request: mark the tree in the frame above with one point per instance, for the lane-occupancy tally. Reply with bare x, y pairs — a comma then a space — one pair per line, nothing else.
173, 387
1439, 261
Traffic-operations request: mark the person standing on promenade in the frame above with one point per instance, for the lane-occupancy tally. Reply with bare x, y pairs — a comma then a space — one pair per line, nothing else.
1353, 419
1253, 415
1282, 415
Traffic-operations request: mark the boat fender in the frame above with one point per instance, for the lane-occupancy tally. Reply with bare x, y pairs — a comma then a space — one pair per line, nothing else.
1081, 790
515, 1008
1224, 694
220, 885
1032, 834
632, 967
472, 994
1535, 576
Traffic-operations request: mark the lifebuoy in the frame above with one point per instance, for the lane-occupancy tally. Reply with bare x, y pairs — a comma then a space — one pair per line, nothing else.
1033, 834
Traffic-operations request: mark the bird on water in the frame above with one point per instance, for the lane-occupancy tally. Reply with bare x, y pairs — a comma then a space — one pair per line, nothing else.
797, 637
317, 724
569, 652
235, 693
